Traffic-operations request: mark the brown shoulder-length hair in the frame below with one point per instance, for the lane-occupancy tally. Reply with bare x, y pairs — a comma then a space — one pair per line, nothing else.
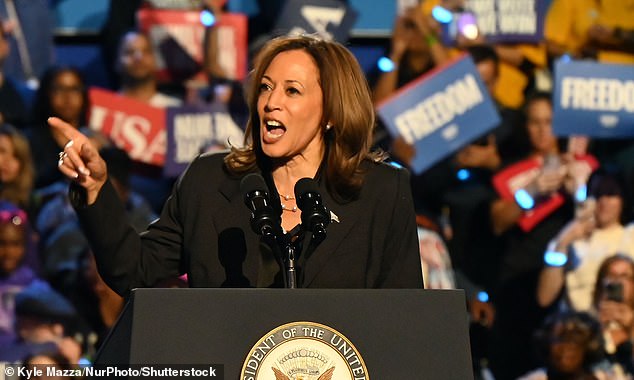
18, 191
602, 273
347, 106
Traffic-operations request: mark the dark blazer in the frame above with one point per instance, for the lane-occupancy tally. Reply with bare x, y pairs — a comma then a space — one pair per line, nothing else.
204, 231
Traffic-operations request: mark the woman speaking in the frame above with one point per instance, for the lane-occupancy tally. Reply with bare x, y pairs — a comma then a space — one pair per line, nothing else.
311, 116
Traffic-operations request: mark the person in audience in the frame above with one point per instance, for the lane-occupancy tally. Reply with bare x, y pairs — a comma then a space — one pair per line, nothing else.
136, 66
67, 259
571, 347
16, 167
595, 233
414, 50
62, 93
43, 361
16, 268
98, 306
120, 18
547, 170
581, 28
45, 323
613, 303
62, 241
137, 69
613, 37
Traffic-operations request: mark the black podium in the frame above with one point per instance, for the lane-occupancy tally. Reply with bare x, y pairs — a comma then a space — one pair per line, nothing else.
399, 334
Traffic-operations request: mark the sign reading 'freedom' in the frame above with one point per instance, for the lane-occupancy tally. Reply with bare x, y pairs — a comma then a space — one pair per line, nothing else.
441, 112
593, 99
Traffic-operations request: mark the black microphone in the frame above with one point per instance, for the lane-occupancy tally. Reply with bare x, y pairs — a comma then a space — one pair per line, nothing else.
315, 216
264, 220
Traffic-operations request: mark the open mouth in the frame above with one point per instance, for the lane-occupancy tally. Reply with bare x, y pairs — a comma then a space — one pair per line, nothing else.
274, 129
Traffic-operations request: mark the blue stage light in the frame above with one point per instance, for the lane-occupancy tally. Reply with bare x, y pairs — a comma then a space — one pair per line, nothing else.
385, 64
581, 194
463, 174
483, 296
207, 18
442, 15
524, 199
555, 259
395, 164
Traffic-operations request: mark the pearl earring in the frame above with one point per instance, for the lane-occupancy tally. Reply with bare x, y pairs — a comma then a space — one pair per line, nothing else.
328, 126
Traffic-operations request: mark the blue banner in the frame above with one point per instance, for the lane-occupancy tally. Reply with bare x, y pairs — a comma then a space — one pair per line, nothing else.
192, 130
441, 112
510, 20
593, 99
330, 19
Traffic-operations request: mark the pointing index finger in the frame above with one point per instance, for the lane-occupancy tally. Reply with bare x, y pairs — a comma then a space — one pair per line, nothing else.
63, 132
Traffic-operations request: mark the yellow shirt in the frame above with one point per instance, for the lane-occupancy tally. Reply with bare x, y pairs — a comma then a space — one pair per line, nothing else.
568, 21
509, 91
617, 13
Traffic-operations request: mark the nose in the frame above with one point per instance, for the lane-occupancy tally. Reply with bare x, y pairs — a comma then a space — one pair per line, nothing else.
273, 100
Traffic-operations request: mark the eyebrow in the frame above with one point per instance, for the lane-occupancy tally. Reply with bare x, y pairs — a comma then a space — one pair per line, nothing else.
288, 81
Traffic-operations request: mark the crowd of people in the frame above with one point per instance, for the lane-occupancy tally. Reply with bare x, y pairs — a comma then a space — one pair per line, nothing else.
549, 297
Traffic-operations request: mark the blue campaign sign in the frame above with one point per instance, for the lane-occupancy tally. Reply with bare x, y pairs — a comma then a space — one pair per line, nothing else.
593, 99
330, 19
192, 130
509, 20
441, 112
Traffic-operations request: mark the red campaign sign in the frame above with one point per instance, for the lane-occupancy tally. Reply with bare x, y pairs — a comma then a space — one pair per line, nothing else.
518, 176
178, 39
134, 126
232, 45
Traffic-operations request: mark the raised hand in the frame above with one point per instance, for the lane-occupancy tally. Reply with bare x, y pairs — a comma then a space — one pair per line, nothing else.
551, 177
401, 37
79, 161
480, 156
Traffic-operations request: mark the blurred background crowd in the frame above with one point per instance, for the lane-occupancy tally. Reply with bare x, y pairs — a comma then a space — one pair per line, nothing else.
548, 298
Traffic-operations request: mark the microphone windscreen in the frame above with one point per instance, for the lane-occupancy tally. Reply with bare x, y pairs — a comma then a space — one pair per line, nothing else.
252, 182
305, 185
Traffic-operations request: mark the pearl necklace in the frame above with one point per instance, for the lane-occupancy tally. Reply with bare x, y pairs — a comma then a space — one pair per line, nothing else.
285, 207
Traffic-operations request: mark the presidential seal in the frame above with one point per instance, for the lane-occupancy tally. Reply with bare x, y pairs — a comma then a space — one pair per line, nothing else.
304, 351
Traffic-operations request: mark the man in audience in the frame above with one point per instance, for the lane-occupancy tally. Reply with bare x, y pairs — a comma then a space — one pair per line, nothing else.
136, 66
44, 323
137, 69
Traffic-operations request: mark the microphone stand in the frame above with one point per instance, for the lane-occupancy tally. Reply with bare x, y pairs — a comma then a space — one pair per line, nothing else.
289, 261
290, 249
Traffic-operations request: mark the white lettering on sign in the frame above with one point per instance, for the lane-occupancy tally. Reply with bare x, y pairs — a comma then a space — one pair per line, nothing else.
597, 94
191, 131
320, 17
228, 57
130, 132
439, 109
